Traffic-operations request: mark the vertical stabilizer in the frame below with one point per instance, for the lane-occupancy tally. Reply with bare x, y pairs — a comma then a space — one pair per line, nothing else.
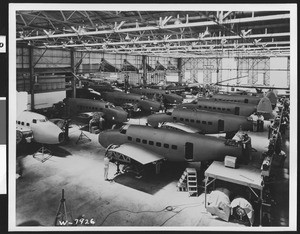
264, 105
22, 102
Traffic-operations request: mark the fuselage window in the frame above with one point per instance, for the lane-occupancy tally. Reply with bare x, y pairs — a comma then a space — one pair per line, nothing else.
144, 141
214, 108
33, 121
200, 106
19, 122
228, 109
192, 121
123, 131
158, 144
166, 146
181, 119
219, 108
204, 122
151, 143
174, 118
197, 121
129, 138
209, 107
205, 107
209, 123
22, 123
186, 120
174, 147
27, 124
138, 140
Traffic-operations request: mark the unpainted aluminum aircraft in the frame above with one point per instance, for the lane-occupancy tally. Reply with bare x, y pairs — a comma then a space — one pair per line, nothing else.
109, 112
170, 98
206, 121
136, 100
148, 145
36, 127
235, 108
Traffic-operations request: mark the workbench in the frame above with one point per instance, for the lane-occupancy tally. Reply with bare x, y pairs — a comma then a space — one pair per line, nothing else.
245, 175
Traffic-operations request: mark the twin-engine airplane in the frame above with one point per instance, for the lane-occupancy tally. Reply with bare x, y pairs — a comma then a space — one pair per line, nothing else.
169, 98
148, 145
235, 108
135, 100
236, 98
36, 127
110, 113
207, 122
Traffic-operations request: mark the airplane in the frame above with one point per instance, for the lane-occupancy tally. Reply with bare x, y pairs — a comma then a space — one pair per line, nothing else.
32, 126
110, 113
135, 100
206, 121
235, 108
145, 145
236, 98
170, 98
84, 93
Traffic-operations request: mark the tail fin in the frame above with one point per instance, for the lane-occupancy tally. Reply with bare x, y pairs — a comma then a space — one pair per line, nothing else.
264, 106
22, 102
273, 98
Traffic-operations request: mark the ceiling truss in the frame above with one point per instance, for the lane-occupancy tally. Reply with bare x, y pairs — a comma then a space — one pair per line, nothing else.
175, 34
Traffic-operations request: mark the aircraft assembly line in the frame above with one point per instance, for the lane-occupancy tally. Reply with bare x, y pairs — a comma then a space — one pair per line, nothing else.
116, 139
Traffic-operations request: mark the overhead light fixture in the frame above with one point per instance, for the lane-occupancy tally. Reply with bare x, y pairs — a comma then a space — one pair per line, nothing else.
245, 33
177, 21
256, 41
127, 38
206, 33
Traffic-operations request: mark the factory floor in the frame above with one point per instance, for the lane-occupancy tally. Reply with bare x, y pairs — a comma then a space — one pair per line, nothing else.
153, 200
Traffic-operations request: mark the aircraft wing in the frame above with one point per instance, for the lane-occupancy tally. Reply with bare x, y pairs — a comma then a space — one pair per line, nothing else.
137, 153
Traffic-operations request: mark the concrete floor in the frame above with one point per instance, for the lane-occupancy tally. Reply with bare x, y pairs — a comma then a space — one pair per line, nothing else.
152, 200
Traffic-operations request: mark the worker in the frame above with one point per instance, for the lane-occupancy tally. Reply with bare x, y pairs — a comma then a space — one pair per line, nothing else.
254, 119
93, 122
260, 122
118, 168
106, 167
246, 148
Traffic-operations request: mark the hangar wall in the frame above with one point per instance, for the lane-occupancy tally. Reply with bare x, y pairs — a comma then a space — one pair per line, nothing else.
53, 66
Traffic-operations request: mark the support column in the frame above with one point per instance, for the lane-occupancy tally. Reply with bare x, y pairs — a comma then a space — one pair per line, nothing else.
180, 70
73, 85
31, 77
144, 65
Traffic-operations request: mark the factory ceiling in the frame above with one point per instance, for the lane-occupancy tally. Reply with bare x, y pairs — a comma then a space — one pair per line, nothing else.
159, 33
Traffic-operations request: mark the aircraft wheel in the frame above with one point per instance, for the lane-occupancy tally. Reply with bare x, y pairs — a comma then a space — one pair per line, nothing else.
19, 136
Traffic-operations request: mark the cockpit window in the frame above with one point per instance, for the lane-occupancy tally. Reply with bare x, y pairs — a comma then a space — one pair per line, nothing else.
34, 121
43, 120
123, 129
109, 105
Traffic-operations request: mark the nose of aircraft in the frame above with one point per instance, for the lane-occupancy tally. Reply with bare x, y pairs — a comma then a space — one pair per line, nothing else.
104, 138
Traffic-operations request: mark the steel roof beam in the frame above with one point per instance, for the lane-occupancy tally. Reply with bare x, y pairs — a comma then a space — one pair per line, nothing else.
169, 26
174, 40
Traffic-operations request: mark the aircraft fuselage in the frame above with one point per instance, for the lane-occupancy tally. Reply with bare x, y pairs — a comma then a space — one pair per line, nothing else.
206, 121
242, 109
43, 131
170, 98
110, 112
120, 98
171, 144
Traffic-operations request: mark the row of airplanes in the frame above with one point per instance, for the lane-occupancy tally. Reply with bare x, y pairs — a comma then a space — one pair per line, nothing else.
221, 113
